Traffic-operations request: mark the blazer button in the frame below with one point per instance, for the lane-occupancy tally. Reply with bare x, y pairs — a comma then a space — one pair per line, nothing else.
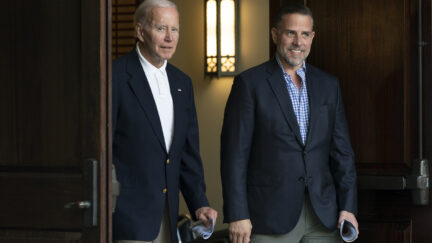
301, 179
164, 191
167, 161
304, 152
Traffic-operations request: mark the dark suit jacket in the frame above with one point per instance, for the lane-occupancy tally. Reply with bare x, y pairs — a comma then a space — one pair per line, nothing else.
266, 168
140, 155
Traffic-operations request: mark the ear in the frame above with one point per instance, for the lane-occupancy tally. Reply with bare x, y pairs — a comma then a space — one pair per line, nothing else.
313, 35
139, 31
274, 35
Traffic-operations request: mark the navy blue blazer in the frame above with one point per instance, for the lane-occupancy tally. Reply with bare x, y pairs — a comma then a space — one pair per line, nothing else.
140, 155
265, 167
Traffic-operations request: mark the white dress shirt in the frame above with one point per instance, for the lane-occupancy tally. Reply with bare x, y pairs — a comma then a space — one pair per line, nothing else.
158, 80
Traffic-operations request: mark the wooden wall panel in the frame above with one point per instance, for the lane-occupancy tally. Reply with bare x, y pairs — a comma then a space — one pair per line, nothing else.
382, 230
353, 44
44, 86
42, 205
8, 145
8, 131
17, 236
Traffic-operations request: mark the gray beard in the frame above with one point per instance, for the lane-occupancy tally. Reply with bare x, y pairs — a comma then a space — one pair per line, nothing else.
292, 64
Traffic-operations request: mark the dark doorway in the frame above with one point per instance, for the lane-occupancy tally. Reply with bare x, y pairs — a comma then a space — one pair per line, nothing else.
54, 143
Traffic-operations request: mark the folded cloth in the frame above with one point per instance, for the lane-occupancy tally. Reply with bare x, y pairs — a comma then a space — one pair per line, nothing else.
199, 229
348, 231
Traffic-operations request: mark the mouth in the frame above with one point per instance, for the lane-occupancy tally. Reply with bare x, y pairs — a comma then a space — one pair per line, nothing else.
296, 50
296, 53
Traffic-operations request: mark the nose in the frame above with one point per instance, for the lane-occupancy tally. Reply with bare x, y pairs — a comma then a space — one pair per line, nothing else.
168, 36
296, 40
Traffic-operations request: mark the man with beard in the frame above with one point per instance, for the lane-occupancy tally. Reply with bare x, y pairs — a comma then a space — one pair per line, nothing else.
287, 165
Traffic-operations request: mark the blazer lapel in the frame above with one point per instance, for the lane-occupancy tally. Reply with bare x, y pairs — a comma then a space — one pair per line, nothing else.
313, 97
278, 85
176, 94
141, 89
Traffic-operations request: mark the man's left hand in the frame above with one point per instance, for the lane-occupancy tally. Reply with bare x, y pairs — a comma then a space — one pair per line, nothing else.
205, 213
348, 216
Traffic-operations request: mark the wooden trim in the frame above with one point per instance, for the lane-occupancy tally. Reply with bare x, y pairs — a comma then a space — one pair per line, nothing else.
108, 131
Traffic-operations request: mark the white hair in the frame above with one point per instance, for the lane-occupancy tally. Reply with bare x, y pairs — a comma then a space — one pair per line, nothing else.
143, 10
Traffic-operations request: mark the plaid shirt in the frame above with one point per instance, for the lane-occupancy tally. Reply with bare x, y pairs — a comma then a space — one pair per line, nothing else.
299, 99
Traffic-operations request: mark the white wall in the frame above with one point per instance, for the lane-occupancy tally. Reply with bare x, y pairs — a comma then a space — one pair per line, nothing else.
211, 93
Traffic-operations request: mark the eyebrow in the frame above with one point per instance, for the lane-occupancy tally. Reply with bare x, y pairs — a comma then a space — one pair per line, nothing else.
302, 31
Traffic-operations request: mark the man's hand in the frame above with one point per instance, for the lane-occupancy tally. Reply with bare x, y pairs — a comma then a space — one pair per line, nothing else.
240, 231
205, 213
348, 216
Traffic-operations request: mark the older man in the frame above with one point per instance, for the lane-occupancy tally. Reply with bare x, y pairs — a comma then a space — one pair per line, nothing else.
287, 168
155, 133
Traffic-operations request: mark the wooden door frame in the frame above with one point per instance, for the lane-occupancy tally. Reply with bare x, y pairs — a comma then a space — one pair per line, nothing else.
107, 71
101, 44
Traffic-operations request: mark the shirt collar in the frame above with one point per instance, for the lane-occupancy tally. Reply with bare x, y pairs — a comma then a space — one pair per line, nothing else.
147, 65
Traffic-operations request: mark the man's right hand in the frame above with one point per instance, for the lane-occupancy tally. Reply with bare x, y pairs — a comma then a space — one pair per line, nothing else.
240, 231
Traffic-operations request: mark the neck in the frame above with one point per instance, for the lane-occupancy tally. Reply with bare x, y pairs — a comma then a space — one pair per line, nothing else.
157, 62
289, 69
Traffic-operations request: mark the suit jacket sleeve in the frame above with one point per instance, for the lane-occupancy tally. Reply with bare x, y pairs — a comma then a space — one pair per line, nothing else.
192, 182
342, 161
236, 140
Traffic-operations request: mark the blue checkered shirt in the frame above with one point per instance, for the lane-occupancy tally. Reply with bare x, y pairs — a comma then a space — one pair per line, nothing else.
299, 99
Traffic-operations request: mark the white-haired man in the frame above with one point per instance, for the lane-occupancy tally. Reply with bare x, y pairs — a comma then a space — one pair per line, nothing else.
155, 133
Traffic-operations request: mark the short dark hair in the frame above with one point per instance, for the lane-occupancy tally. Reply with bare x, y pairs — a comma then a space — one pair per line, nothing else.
291, 8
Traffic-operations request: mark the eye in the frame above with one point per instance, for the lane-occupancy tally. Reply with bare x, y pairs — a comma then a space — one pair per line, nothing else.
160, 28
306, 34
290, 33
175, 29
